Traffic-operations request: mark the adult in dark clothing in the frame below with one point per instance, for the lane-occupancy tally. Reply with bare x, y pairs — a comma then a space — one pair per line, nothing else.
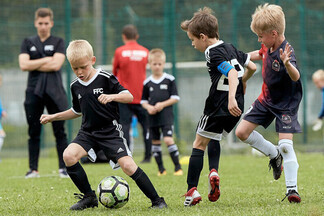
43, 56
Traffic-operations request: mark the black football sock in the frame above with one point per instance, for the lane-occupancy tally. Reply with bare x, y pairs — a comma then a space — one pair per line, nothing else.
145, 184
157, 154
214, 151
79, 178
174, 153
196, 163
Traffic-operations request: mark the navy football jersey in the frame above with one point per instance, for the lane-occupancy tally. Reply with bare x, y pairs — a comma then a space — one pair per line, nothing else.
217, 100
95, 116
157, 91
279, 92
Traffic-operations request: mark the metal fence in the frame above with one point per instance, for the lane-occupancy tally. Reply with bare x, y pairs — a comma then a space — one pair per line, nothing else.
101, 22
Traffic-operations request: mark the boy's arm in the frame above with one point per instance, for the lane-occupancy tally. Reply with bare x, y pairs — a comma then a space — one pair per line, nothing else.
291, 69
121, 97
250, 69
65, 115
232, 103
161, 105
255, 55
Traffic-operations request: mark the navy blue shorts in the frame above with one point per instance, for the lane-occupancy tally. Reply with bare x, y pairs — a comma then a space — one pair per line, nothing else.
286, 122
167, 131
109, 139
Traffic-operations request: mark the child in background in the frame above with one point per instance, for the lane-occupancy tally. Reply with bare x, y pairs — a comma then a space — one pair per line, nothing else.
159, 94
318, 79
280, 97
95, 97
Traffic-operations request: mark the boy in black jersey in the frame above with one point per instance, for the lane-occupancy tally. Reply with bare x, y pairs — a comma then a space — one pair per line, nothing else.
159, 94
95, 96
280, 97
225, 102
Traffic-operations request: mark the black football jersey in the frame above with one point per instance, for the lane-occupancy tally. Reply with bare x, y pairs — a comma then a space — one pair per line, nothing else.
217, 100
157, 91
50, 46
95, 116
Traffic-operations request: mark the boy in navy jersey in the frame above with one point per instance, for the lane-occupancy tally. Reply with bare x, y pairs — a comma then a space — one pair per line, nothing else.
225, 102
279, 99
159, 94
95, 96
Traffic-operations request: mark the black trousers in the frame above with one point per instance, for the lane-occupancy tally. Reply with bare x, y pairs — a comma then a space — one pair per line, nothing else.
34, 108
126, 112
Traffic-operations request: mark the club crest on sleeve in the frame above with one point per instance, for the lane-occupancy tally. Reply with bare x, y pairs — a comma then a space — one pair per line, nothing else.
275, 65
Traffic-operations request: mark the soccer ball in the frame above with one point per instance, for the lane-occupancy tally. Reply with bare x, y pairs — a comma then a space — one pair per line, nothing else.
113, 192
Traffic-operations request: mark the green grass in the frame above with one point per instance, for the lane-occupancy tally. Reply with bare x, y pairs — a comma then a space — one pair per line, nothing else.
247, 188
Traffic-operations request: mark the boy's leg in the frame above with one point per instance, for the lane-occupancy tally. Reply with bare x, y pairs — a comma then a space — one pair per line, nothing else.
71, 156
174, 154
157, 154
290, 165
142, 180
214, 151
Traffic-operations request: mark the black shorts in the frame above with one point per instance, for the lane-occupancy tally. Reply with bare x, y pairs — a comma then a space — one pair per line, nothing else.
113, 143
286, 121
216, 127
167, 131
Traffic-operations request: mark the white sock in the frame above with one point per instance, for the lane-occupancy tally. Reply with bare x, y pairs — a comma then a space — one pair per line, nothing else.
256, 140
290, 163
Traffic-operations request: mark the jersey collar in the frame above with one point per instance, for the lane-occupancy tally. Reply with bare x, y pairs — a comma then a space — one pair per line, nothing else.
90, 80
213, 45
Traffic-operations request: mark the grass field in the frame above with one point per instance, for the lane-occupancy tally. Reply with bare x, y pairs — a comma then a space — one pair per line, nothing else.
247, 188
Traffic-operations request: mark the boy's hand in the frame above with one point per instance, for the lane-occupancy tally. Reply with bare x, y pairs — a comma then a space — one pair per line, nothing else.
44, 119
151, 110
318, 125
158, 106
233, 108
285, 55
105, 98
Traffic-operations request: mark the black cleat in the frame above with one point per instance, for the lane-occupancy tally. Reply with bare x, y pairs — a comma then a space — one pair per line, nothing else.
146, 160
293, 196
159, 204
86, 201
276, 165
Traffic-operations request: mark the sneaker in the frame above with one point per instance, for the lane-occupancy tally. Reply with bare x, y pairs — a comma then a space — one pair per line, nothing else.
276, 165
63, 173
146, 160
178, 172
162, 173
86, 201
159, 204
32, 174
293, 196
192, 197
213, 186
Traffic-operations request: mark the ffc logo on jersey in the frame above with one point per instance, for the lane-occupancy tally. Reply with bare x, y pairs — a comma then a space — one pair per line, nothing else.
164, 86
98, 91
49, 48
275, 65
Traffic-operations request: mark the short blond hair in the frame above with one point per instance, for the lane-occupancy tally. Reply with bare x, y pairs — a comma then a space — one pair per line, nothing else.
156, 53
318, 75
203, 21
79, 49
268, 17
44, 12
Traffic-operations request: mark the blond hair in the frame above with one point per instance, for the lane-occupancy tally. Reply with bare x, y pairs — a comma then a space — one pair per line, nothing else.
44, 12
318, 75
156, 53
79, 49
203, 22
268, 17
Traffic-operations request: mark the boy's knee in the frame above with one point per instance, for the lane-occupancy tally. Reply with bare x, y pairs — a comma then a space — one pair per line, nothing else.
69, 158
128, 165
241, 134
